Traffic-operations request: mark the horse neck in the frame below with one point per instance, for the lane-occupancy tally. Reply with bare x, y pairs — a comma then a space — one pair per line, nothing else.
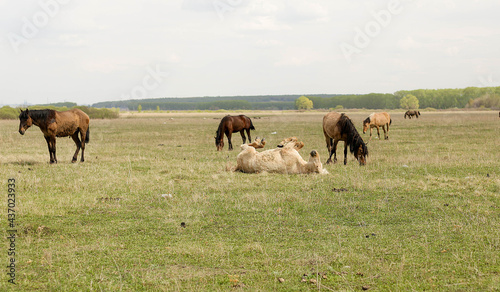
37, 119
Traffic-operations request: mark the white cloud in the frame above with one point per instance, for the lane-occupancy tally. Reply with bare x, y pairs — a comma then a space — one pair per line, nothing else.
409, 43
263, 23
452, 51
268, 43
303, 11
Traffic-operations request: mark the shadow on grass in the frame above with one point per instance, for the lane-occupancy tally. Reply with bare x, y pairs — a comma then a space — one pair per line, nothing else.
23, 162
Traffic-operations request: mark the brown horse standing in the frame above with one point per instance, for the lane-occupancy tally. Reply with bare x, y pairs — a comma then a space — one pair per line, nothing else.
231, 124
377, 120
411, 114
338, 127
58, 124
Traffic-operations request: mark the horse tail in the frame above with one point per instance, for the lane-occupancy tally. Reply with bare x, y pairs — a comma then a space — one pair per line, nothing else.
87, 136
251, 124
390, 122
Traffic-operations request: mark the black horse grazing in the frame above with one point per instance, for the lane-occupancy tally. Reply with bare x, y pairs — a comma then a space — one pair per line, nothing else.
229, 125
338, 127
58, 124
411, 114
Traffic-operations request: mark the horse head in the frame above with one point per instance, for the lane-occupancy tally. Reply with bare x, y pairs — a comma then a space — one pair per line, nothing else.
25, 121
360, 151
366, 125
291, 142
361, 154
219, 143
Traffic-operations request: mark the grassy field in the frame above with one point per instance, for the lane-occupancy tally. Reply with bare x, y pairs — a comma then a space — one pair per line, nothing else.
423, 214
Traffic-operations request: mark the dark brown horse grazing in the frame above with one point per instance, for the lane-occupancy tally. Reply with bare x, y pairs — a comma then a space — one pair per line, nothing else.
58, 124
338, 127
229, 125
411, 114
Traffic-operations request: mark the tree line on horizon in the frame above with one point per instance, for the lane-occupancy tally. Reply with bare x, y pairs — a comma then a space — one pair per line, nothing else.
427, 98
10, 113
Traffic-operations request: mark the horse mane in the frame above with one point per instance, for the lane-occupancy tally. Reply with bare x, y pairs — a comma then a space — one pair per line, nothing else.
38, 115
367, 120
220, 129
354, 140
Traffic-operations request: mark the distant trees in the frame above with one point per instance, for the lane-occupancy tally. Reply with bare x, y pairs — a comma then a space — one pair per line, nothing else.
489, 100
427, 98
139, 108
409, 101
303, 103
8, 113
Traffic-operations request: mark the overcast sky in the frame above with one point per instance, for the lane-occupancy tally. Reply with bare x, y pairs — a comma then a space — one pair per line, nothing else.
90, 51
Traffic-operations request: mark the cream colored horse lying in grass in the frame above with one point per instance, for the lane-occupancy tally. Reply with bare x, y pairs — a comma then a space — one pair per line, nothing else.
284, 159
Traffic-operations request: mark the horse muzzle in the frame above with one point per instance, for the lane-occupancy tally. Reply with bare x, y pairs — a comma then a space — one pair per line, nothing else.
22, 131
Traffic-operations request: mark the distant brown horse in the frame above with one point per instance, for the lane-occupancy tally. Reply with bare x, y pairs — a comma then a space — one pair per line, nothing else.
338, 127
230, 124
377, 120
410, 114
58, 124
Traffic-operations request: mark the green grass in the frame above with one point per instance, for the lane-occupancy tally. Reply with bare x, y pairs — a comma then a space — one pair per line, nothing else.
423, 214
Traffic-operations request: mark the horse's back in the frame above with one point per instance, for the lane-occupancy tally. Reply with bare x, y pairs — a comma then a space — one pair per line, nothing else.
330, 121
387, 117
74, 117
381, 118
240, 122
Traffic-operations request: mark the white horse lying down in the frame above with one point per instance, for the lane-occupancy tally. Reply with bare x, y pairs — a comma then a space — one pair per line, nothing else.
284, 159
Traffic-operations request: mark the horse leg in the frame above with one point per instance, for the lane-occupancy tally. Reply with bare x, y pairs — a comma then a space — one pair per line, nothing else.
78, 146
242, 133
84, 137
229, 140
387, 137
54, 148
249, 137
335, 150
329, 147
51, 143
345, 152
378, 132
47, 138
